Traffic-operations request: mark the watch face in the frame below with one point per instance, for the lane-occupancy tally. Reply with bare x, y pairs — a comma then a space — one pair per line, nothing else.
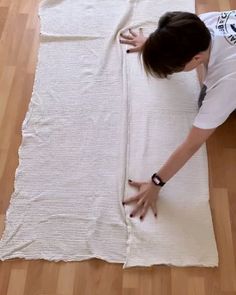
157, 181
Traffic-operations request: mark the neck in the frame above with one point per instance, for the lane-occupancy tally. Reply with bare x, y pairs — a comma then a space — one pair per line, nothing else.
207, 56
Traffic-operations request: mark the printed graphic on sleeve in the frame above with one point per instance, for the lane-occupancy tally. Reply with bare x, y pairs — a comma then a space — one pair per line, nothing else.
226, 25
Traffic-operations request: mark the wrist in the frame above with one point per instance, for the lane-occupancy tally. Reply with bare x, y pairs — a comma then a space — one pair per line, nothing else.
154, 186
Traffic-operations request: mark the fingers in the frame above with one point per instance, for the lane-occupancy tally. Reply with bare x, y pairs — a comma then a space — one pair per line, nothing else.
144, 210
141, 31
142, 206
133, 33
135, 183
154, 208
126, 41
134, 49
133, 199
126, 36
138, 207
145, 207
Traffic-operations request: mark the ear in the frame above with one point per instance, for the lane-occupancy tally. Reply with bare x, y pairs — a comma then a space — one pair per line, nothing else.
198, 57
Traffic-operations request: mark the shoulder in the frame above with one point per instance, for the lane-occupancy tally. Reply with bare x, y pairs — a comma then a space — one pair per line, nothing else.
209, 15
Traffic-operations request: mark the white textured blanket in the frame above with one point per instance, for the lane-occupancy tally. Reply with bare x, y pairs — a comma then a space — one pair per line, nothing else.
94, 121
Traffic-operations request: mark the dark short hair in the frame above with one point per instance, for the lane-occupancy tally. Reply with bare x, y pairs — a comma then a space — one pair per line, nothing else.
177, 39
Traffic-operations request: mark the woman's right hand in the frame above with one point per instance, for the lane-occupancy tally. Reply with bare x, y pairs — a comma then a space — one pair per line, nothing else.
137, 40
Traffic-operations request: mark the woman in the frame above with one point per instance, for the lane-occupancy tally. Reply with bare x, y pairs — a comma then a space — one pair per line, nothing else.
182, 42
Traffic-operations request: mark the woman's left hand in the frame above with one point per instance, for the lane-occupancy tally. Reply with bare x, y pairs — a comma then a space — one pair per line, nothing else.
146, 198
135, 39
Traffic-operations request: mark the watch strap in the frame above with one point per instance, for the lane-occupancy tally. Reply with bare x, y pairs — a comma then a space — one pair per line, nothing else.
160, 181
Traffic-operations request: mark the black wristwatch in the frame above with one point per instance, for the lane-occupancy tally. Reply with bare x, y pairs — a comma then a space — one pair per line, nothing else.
157, 180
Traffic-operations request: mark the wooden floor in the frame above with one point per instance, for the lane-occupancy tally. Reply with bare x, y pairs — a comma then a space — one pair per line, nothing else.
19, 31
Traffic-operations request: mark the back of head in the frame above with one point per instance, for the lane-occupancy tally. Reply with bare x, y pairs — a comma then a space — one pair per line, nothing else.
177, 39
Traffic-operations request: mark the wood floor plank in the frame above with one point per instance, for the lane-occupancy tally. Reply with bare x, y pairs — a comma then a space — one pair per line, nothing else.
6, 80
66, 278
224, 5
179, 281
131, 278
3, 18
5, 271
224, 241
33, 281
161, 280
17, 282
145, 282
49, 277
196, 286
2, 223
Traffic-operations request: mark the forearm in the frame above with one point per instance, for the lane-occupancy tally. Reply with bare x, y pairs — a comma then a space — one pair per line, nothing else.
177, 160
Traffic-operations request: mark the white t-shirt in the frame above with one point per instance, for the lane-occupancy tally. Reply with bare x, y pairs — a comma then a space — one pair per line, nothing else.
220, 80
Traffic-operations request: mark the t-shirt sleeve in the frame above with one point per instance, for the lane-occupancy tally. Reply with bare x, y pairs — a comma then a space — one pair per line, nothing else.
218, 104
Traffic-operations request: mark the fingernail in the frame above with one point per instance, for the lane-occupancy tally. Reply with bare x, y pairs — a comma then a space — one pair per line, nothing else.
129, 180
131, 215
127, 51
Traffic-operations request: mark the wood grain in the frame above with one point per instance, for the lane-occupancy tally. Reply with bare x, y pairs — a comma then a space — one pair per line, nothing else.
19, 41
